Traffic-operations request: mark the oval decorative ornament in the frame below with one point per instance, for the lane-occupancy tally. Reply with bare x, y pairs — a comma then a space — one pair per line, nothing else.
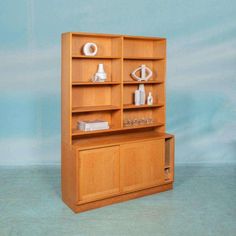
145, 73
90, 49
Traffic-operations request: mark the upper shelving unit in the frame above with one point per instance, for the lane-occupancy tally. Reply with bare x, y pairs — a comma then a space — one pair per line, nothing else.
113, 100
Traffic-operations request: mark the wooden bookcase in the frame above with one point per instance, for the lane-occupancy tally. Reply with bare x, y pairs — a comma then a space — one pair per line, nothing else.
107, 166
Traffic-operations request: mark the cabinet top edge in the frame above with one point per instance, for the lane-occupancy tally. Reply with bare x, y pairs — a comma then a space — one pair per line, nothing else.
113, 140
114, 35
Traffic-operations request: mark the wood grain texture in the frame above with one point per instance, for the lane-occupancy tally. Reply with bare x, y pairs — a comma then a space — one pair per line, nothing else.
66, 88
169, 157
68, 171
142, 165
117, 139
121, 198
98, 173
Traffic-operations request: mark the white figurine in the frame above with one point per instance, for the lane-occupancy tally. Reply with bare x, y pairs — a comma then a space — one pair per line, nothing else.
144, 76
150, 99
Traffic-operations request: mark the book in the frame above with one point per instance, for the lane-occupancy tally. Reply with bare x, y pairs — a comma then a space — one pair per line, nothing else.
92, 125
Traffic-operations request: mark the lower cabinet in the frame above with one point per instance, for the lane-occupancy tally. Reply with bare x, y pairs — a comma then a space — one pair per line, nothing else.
104, 172
141, 165
98, 173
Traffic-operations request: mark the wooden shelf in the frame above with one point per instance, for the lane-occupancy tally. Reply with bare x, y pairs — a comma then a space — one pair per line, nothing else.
132, 106
79, 132
93, 57
144, 58
76, 83
143, 82
156, 124
94, 108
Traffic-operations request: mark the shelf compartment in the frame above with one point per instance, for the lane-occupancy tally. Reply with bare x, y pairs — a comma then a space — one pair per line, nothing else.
84, 96
76, 83
158, 68
113, 117
169, 159
156, 90
94, 108
160, 114
146, 48
84, 69
138, 114
132, 106
107, 46
157, 114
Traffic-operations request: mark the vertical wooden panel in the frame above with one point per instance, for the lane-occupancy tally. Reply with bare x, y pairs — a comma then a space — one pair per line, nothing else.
66, 89
98, 173
142, 165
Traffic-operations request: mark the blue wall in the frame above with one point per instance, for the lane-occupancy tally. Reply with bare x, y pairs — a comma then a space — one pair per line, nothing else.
201, 86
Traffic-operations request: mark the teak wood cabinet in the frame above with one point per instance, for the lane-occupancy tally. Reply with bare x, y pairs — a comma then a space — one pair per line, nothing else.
123, 162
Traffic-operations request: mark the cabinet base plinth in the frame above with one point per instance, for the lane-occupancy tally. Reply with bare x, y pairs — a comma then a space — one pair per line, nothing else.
122, 198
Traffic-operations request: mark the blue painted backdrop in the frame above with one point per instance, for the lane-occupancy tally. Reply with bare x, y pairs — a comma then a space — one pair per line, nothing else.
201, 86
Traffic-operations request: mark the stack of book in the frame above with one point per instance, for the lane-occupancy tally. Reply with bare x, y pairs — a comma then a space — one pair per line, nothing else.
93, 125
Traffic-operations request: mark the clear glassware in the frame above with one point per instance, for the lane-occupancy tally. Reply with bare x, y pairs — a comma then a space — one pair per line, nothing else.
149, 120
125, 123
144, 121
140, 121
131, 122
135, 122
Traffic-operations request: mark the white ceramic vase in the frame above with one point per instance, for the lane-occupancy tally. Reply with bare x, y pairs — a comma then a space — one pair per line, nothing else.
101, 75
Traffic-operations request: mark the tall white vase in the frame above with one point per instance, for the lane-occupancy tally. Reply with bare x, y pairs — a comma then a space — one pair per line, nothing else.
101, 75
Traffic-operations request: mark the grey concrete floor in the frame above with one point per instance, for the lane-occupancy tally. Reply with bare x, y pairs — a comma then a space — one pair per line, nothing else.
202, 203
